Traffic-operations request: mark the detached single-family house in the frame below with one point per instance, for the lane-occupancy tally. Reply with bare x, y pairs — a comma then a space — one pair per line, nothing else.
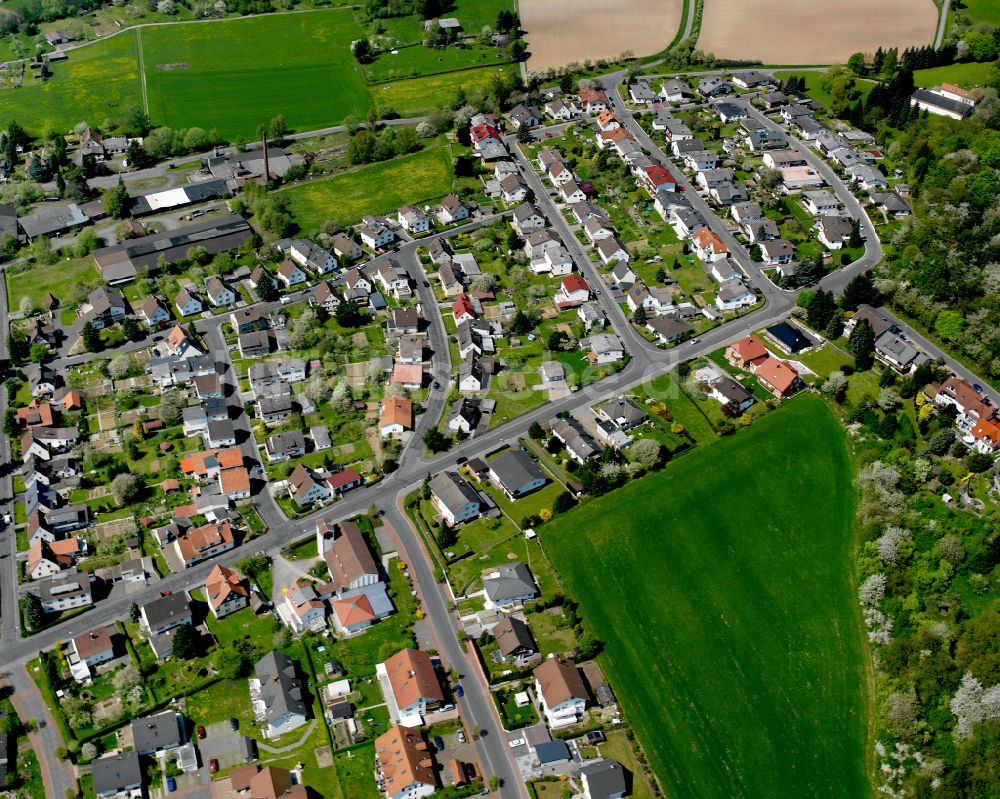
452, 209
603, 779
731, 395
276, 694
291, 274
219, 294
527, 220
225, 591
732, 295
509, 584
396, 417
820, 201
834, 231
776, 251
561, 691
376, 235
413, 219
708, 246
572, 291
454, 498
153, 312
188, 303
605, 348
778, 377
516, 474
668, 329
611, 250
306, 488
411, 685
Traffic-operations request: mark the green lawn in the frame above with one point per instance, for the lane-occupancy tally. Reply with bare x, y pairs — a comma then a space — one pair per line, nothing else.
732, 633
373, 189
964, 75
97, 83
309, 74
982, 10
58, 278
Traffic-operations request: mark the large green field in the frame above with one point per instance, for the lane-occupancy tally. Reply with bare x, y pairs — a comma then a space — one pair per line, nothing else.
372, 189
97, 83
722, 589
235, 74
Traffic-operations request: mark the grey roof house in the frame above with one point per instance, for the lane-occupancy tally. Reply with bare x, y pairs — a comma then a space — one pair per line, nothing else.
516, 474
276, 694
509, 584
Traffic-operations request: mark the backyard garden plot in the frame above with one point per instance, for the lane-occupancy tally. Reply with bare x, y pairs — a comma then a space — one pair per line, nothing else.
97, 83
212, 74
560, 32
811, 33
732, 633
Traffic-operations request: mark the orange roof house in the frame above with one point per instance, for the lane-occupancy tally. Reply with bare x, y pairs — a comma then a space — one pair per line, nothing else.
414, 685
987, 435
35, 414
408, 374
397, 415
225, 591
404, 762
204, 542
235, 482
778, 377
72, 400
709, 245
746, 352
354, 613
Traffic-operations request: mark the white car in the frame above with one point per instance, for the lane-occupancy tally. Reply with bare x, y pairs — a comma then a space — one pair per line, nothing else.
285, 299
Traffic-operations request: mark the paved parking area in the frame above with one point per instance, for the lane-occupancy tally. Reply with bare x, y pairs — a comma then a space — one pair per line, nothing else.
223, 744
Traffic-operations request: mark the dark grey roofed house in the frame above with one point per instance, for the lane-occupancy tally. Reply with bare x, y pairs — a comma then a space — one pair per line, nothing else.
514, 638
157, 733
510, 584
603, 779
516, 473
789, 337
280, 690
455, 497
731, 394
117, 774
165, 612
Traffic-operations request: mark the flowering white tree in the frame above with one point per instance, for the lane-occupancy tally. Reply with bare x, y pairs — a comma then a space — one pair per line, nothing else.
872, 591
972, 703
889, 545
834, 383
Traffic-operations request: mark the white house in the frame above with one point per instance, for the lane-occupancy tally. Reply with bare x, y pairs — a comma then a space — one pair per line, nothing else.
606, 348
734, 295
610, 249
561, 692
413, 219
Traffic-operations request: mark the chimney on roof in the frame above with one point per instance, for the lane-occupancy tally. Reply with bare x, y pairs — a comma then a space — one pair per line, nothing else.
267, 168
